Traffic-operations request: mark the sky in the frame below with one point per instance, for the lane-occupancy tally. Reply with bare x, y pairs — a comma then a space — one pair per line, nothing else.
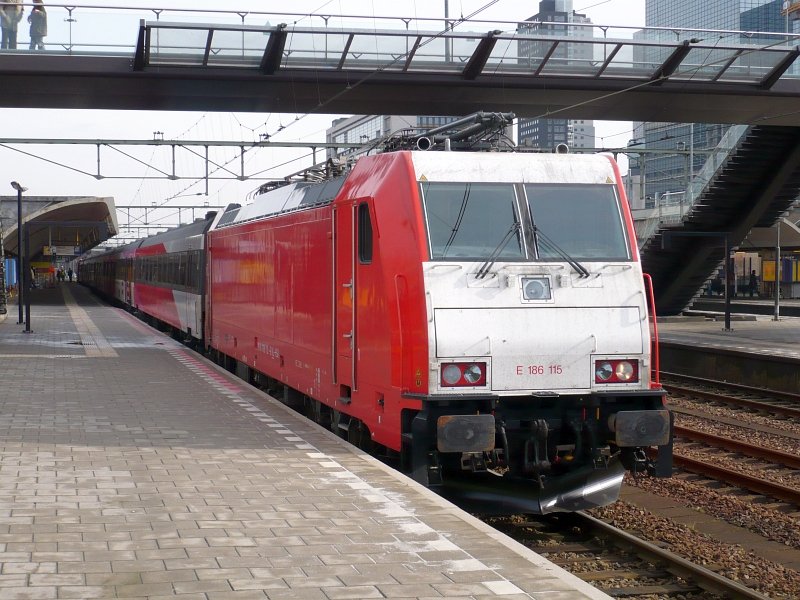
61, 170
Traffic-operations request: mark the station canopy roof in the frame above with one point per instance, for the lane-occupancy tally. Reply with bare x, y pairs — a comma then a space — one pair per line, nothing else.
766, 237
68, 224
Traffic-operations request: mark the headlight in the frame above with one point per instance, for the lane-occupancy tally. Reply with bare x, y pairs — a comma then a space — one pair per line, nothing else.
536, 288
463, 374
603, 371
616, 371
451, 374
473, 374
624, 370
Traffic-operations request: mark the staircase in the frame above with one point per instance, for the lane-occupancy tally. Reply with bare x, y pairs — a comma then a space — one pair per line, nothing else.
757, 182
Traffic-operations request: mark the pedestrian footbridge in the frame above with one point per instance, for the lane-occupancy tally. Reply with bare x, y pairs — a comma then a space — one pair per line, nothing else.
167, 59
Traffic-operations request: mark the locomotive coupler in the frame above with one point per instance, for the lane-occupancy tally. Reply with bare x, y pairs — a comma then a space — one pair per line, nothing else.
506, 454
639, 462
476, 463
536, 445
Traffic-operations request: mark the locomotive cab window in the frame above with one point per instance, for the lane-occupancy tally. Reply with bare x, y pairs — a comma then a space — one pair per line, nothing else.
584, 221
364, 234
475, 221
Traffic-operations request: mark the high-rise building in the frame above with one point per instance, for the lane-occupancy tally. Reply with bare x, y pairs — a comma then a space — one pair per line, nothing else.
730, 15
367, 131
556, 18
669, 173
363, 129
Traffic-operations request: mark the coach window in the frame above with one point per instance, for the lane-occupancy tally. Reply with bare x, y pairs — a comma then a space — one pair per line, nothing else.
182, 268
190, 270
364, 234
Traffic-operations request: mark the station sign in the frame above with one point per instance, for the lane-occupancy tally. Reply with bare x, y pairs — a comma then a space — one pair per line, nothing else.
61, 250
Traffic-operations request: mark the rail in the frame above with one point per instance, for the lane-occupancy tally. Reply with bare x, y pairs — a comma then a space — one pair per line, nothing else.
741, 480
704, 577
757, 405
775, 456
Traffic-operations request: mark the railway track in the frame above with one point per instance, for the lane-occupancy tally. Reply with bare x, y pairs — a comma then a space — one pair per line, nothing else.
780, 403
624, 566
618, 562
774, 456
738, 479
734, 477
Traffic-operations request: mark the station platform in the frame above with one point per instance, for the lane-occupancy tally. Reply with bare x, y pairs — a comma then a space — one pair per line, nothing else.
756, 334
755, 351
133, 467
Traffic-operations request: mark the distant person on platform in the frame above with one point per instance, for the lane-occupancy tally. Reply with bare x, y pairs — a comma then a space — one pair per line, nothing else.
753, 283
10, 16
38, 21
70, 273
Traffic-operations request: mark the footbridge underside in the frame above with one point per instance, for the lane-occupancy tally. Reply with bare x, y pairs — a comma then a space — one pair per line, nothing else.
280, 68
111, 83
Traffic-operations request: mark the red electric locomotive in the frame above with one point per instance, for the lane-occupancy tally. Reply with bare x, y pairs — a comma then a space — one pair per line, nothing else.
482, 315
477, 313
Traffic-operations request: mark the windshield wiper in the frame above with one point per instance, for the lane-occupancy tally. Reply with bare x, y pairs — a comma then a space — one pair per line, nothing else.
486, 266
539, 235
459, 218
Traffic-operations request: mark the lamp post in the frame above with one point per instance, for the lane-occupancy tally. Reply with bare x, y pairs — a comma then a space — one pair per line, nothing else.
20, 286
4, 278
27, 277
777, 314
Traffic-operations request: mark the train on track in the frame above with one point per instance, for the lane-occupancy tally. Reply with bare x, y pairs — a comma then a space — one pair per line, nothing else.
482, 316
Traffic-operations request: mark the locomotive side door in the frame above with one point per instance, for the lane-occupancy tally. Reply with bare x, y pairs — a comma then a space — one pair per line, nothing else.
344, 295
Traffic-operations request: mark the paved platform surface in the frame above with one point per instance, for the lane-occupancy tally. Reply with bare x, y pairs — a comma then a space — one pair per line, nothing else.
131, 467
757, 335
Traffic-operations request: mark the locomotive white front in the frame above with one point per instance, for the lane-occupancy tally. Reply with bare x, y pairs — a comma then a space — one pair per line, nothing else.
537, 306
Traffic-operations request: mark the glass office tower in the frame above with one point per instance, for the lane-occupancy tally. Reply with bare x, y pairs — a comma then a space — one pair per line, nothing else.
665, 174
552, 20
735, 15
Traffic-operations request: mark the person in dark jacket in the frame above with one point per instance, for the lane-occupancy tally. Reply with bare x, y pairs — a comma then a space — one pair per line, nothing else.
10, 16
753, 283
38, 21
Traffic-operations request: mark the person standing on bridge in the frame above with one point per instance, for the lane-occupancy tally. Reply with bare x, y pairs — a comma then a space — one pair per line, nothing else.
10, 16
38, 21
